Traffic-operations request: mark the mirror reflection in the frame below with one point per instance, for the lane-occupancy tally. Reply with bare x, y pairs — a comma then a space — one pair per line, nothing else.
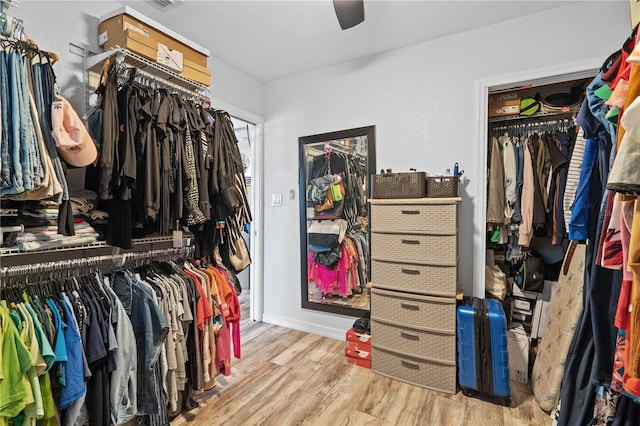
334, 176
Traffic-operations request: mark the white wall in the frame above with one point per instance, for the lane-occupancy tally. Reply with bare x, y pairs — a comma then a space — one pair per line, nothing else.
422, 101
55, 24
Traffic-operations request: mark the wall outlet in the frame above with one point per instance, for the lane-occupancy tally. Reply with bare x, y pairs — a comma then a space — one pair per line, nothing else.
276, 200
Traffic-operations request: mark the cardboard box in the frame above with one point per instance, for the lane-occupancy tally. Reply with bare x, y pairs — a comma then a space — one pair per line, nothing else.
196, 72
518, 346
352, 336
135, 42
360, 362
143, 46
504, 96
357, 350
115, 23
170, 58
505, 107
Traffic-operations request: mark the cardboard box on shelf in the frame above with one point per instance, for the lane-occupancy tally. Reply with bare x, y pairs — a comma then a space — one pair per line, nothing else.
135, 42
505, 107
170, 58
503, 96
114, 24
196, 72
518, 346
143, 46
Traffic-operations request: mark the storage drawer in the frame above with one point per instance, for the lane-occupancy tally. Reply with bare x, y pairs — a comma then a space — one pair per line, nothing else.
421, 343
436, 218
414, 277
416, 371
435, 249
412, 310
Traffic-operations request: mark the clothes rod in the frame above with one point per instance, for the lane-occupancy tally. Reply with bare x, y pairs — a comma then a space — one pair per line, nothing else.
87, 262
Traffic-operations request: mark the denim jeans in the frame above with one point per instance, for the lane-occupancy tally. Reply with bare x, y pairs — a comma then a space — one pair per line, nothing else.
150, 328
123, 388
13, 128
22, 152
43, 91
6, 172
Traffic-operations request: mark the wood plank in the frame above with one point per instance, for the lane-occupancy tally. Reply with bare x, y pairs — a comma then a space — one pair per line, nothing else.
359, 418
288, 377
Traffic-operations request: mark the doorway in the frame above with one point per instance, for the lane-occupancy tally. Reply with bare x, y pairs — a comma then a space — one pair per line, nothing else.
531, 79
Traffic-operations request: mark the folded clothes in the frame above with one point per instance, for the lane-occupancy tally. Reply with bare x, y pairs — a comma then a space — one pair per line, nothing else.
75, 240
52, 235
99, 214
83, 200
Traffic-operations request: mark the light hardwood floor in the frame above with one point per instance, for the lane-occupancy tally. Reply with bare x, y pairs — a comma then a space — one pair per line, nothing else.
288, 377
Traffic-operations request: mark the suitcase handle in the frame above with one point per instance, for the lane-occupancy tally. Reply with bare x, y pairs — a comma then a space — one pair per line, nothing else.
410, 336
410, 241
410, 211
409, 306
410, 271
411, 365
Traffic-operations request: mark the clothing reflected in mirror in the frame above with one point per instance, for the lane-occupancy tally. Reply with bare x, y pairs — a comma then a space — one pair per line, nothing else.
336, 216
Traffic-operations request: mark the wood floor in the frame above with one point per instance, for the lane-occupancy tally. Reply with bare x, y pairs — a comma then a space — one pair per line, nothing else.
288, 377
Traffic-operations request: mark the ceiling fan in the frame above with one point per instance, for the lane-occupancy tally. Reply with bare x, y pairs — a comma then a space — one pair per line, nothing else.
349, 12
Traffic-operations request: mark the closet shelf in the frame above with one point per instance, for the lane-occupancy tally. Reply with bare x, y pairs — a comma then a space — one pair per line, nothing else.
153, 69
544, 116
14, 257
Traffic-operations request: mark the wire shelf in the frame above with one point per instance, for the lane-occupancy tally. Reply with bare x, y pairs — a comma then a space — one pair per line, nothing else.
149, 69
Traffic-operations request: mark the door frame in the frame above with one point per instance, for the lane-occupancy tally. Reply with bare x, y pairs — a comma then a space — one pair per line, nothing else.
256, 247
535, 77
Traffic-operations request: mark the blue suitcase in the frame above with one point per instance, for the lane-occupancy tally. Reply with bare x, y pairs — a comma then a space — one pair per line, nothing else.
483, 358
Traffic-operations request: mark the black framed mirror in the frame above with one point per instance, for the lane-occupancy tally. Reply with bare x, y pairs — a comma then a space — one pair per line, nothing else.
334, 179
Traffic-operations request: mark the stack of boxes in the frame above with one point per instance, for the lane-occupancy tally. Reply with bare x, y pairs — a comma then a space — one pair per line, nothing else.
529, 319
358, 348
130, 29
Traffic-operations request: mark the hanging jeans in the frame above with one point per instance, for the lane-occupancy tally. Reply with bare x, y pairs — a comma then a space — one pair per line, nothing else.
43, 93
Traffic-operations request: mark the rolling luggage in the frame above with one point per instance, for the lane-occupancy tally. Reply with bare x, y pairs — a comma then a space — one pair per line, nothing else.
483, 358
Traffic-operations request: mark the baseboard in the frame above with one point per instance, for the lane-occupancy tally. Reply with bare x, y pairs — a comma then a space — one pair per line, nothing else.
334, 333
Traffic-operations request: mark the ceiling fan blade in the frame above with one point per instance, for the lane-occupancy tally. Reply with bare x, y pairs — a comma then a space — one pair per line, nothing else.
349, 12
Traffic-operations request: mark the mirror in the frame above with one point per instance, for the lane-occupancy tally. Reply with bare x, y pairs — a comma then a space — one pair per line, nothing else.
334, 176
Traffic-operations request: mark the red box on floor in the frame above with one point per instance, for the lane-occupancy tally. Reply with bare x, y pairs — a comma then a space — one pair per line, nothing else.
360, 362
358, 350
352, 336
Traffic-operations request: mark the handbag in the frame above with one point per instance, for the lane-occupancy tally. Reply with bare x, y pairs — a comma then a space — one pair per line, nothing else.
327, 233
327, 204
239, 255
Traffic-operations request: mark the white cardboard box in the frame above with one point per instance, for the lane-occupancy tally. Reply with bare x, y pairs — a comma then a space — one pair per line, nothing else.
170, 58
518, 346
541, 314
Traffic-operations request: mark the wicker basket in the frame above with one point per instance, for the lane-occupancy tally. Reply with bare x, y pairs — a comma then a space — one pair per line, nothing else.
442, 186
399, 185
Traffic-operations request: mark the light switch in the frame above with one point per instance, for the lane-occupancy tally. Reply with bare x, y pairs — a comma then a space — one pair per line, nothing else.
276, 200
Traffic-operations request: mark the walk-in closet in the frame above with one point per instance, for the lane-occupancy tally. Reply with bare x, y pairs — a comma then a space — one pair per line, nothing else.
321, 213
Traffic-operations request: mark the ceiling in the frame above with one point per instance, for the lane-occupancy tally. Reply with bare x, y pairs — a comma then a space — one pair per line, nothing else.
270, 40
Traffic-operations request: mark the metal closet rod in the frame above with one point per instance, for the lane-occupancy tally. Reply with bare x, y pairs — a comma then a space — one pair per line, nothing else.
117, 259
546, 123
143, 77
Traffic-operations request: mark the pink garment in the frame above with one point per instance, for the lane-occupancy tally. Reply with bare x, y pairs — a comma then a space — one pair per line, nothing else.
326, 279
610, 251
223, 350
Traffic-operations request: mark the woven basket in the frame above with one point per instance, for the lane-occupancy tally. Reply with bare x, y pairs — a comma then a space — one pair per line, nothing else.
442, 186
399, 185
